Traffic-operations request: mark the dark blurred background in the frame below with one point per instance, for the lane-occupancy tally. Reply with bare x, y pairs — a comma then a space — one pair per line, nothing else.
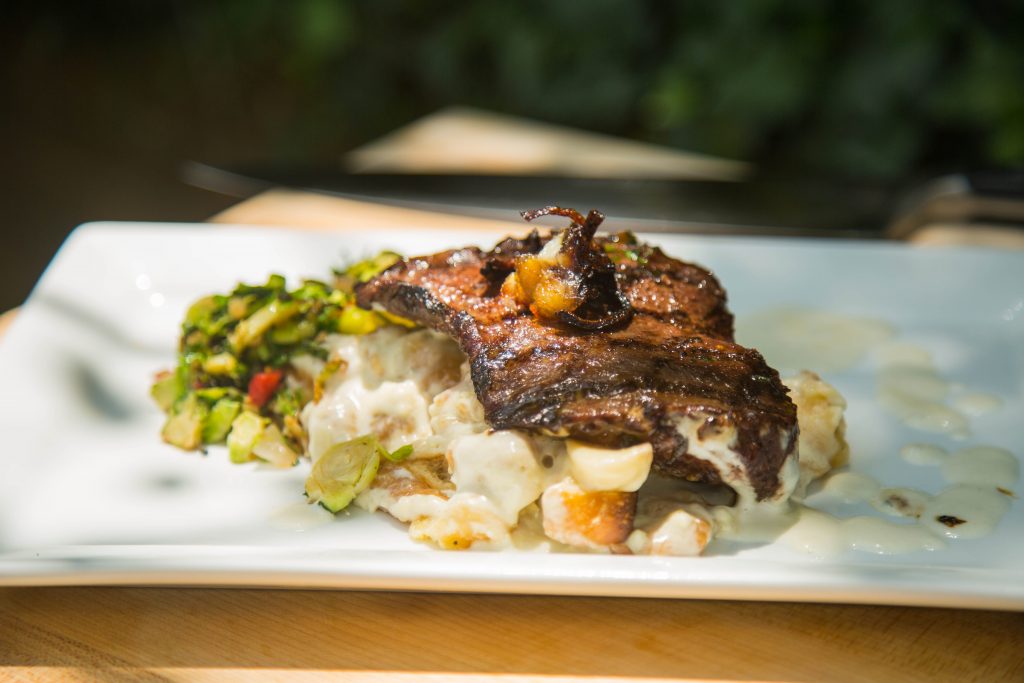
103, 100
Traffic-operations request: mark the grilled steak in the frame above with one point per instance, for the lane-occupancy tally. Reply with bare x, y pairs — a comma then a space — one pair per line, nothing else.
665, 369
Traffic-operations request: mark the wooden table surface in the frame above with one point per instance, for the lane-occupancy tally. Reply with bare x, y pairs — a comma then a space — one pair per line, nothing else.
199, 634
104, 633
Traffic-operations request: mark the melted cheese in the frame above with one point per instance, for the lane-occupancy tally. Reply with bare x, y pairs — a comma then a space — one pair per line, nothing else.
718, 448
411, 388
501, 467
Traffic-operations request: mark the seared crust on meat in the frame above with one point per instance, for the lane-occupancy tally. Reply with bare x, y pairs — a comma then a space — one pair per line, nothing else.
673, 359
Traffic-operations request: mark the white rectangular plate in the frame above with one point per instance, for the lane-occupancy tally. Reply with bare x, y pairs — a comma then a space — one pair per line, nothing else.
89, 494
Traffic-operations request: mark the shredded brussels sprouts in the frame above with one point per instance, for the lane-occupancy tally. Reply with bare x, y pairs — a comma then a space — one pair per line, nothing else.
344, 471
233, 380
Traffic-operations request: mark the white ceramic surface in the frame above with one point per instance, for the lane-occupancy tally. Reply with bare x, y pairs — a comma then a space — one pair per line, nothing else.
89, 494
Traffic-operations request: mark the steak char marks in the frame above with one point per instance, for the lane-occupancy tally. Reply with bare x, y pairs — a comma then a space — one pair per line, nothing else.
669, 373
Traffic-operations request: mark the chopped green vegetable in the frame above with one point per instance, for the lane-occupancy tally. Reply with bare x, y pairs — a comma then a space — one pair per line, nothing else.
246, 430
400, 453
229, 340
274, 449
395, 319
293, 332
313, 290
625, 247
344, 471
218, 422
213, 394
288, 402
167, 389
220, 364
355, 320
363, 271
249, 330
330, 368
207, 316
238, 307
184, 428
202, 312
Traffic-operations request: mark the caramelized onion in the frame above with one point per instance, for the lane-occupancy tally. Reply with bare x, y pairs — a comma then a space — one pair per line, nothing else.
576, 285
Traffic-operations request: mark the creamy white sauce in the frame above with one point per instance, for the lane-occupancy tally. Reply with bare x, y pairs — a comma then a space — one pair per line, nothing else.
465, 520
762, 526
677, 532
965, 511
975, 465
971, 508
402, 386
855, 487
910, 387
852, 487
717, 447
815, 533
823, 535
900, 502
903, 354
980, 466
404, 508
502, 467
881, 537
908, 383
369, 395
980, 495
914, 381
923, 454
929, 417
299, 516
792, 338
917, 401
529, 533
977, 403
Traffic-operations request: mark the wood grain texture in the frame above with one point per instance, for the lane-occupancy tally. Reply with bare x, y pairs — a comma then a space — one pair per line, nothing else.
974, 235
461, 140
134, 631
290, 208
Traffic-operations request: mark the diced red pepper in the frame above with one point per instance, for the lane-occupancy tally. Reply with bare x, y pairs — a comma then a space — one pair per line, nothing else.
263, 385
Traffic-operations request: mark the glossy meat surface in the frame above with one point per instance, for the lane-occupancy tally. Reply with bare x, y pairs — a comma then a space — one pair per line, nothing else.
672, 362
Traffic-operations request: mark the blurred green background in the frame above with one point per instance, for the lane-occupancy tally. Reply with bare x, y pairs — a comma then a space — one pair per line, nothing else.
103, 99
